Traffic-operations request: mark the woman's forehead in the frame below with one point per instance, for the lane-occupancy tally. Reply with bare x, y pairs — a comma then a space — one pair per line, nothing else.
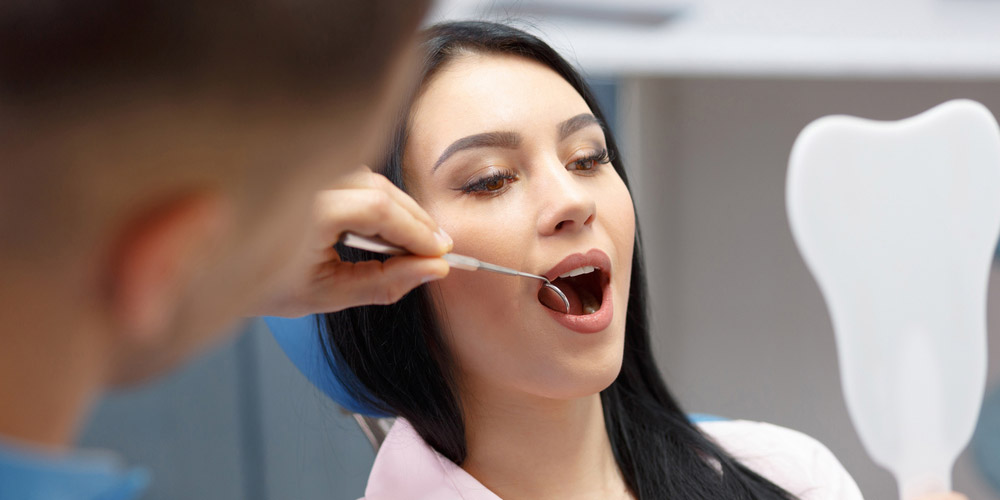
486, 92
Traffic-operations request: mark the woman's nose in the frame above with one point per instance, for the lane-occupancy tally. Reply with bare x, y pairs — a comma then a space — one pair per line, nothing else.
567, 205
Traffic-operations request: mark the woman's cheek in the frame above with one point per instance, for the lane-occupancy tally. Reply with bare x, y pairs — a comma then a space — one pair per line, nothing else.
492, 233
618, 212
484, 236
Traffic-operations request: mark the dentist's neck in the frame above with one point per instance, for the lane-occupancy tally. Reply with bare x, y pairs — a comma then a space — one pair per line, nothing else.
52, 365
542, 449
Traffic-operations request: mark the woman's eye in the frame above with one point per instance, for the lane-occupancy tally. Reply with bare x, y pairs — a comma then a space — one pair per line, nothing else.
495, 183
491, 184
591, 162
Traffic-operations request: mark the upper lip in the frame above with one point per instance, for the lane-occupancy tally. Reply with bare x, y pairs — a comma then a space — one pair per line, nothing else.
593, 257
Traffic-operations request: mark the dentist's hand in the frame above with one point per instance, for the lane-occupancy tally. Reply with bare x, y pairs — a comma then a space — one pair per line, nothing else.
367, 204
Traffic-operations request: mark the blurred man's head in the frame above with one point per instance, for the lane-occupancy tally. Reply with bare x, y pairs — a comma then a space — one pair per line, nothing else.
158, 157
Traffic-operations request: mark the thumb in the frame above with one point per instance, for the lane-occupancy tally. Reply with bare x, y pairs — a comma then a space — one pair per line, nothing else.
387, 282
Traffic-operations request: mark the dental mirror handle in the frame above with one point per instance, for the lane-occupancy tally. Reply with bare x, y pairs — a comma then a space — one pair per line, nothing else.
472, 264
464, 262
379, 245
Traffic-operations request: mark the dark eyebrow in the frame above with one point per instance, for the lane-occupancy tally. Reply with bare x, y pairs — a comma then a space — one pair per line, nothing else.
506, 140
578, 122
511, 140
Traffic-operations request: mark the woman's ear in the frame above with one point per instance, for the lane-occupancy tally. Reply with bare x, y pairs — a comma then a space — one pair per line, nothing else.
156, 258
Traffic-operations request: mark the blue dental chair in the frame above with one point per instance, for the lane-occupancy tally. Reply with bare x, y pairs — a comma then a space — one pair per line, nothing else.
300, 339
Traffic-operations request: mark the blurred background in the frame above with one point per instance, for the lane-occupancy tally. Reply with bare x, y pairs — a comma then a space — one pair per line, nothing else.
707, 98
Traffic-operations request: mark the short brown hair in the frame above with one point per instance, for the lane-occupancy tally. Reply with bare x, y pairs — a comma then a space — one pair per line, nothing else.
71, 61
53, 47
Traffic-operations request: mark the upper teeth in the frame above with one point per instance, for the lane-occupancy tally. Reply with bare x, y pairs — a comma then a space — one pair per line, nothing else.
578, 271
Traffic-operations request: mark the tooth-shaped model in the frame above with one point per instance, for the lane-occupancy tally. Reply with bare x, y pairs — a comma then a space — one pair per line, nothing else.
898, 222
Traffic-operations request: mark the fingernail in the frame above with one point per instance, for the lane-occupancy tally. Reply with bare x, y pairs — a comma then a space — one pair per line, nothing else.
443, 237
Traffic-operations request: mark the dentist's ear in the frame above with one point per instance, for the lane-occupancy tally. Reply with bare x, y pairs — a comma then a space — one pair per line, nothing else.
156, 256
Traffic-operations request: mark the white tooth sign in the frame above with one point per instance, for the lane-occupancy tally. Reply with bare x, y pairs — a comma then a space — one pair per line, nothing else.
898, 222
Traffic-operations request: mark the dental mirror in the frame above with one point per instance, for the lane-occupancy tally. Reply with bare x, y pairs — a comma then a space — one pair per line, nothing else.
898, 222
378, 245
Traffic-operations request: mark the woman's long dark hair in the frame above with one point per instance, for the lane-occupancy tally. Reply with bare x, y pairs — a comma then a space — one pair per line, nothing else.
399, 363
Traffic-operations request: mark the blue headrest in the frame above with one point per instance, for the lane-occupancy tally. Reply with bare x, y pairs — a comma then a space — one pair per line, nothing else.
701, 418
300, 339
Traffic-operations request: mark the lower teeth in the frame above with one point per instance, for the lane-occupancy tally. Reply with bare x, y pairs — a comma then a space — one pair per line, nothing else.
590, 304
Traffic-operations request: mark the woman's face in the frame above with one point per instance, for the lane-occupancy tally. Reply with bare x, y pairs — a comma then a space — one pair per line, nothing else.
509, 160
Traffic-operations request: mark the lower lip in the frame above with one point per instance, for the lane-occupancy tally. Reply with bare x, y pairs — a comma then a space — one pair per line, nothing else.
587, 323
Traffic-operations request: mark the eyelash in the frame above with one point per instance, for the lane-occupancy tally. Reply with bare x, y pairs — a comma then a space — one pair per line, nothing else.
480, 186
602, 157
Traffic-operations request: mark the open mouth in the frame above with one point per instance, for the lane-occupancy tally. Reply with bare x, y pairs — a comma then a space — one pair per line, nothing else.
583, 287
583, 279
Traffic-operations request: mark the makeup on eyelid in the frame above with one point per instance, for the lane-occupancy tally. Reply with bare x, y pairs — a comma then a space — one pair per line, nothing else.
499, 178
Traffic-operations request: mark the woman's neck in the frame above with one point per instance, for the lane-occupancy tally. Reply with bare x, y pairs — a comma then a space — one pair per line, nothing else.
542, 449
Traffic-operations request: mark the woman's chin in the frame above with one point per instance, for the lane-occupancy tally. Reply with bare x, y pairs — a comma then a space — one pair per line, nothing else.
580, 381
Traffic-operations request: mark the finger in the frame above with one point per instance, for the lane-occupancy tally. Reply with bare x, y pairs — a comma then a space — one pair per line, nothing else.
359, 177
364, 178
405, 200
378, 283
371, 212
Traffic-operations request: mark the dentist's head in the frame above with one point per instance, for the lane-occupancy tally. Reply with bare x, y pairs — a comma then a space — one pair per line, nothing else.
158, 161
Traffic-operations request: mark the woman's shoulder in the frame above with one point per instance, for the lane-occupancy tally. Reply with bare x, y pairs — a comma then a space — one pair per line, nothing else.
791, 459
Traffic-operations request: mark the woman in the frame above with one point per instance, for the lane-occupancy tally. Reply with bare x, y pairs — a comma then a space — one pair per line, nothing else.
499, 395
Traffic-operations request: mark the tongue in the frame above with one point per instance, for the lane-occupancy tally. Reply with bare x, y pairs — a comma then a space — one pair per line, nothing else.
549, 299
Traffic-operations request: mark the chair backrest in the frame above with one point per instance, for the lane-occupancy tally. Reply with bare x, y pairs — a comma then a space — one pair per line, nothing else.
301, 340
374, 428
